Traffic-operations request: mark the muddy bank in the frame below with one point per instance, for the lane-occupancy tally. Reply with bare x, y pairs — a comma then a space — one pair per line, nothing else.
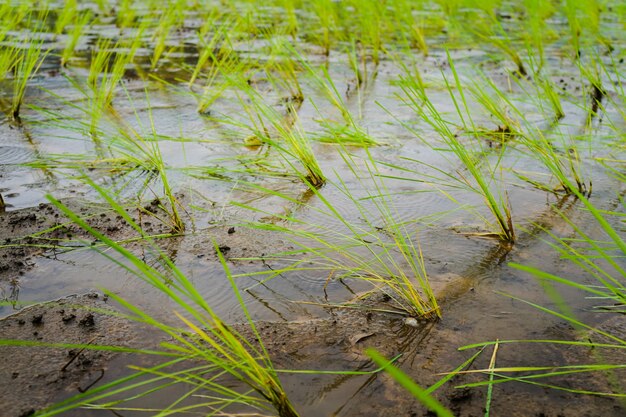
333, 340
426, 352
36, 376
337, 342
45, 231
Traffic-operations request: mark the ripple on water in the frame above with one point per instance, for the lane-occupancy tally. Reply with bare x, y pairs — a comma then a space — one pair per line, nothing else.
13, 155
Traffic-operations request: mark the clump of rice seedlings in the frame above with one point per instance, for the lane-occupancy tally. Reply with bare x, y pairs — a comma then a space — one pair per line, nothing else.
547, 88
370, 16
202, 352
284, 71
357, 65
412, 28
355, 136
563, 165
282, 132
74, 35
103, 6
328, 21
583, 18
26, 66
473, 176
291, 25
151, 158
537, 11
169, 20
591, 71
599, 259
497, 109
224, 68
212, 50
126, 14
8, 58
107, 69
66, 16
378, 250
490, 30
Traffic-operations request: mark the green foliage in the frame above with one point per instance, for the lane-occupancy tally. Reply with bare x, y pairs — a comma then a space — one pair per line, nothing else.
202, 336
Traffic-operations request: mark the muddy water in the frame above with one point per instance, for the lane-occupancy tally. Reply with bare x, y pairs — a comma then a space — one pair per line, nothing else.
205, 157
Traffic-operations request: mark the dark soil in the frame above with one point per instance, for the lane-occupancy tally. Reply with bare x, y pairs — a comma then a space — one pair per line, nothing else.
35, 376
44, 230
428, 351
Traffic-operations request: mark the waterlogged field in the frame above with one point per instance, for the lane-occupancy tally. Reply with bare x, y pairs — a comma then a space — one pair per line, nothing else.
343, 208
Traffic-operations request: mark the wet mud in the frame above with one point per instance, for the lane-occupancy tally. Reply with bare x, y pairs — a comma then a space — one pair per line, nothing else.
33, 377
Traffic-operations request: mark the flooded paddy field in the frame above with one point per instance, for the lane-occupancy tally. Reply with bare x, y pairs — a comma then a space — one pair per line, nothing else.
324, 208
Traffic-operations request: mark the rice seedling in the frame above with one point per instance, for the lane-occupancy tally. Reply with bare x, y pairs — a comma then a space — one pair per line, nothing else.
590, 71
583, 18
283, 71
412, 26
8, 58
537, 12
211, 348
107, 69
282, 132
74, 36
473, 178
26, 66
380, 250
497, 109
562, 164
151, 158
65, 16
489, 29
370, 17
328, 20
127, 14
549, 92
168, 22
103, 6
348, 132
218, 78
216, 46
292, 26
